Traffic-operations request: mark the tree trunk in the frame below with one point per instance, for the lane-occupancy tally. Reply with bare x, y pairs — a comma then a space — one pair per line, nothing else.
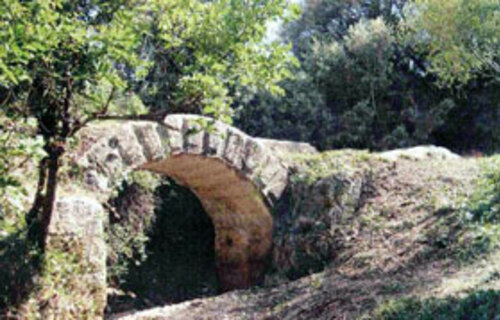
37, 203
50, 195
39, 217
33, 216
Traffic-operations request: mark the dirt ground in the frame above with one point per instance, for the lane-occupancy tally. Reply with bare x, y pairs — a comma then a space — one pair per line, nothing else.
406, 239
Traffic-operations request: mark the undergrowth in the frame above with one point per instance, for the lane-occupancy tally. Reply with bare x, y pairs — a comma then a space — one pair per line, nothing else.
59, 294
477, 305
131, 215
477, 224
480, 213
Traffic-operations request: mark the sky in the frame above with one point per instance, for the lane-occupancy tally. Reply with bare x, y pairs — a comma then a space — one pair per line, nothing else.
273, 27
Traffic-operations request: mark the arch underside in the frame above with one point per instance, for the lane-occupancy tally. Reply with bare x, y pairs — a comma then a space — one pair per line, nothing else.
241, 219
234, 175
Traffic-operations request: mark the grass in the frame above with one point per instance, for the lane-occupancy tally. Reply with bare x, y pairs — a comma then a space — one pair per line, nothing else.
19, 262
315, 166
59, 294
470, 234
477, 305
425, 235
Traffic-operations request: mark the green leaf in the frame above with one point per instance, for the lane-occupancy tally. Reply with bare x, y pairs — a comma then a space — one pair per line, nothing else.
5, 70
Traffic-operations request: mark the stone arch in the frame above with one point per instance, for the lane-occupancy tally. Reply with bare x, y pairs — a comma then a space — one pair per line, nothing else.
236, 177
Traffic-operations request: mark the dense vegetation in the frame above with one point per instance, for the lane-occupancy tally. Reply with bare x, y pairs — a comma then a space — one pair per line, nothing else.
67, 63
382, 74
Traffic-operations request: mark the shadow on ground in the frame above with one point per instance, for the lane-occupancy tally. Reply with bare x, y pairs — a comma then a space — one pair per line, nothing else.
18, 269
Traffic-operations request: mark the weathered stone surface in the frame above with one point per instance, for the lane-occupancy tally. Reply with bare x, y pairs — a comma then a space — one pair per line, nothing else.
141, 145
77, 216
78, 226
234, 150
284, 147
150, 140
307, 228
130, 148
420, 153
236, 177
193, 134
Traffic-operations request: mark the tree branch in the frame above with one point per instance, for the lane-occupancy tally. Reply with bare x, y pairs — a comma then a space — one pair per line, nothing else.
157, 115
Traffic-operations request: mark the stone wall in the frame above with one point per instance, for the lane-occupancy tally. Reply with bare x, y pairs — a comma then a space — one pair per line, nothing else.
237, 178
77, 228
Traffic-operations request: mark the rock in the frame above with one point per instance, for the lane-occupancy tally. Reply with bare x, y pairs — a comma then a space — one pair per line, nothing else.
77, 227
77, 216
283, 146
303, 240
419, 153
134, 145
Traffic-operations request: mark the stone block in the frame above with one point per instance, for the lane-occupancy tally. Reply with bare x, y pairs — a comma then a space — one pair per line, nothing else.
148, 137
77, 216
233, 151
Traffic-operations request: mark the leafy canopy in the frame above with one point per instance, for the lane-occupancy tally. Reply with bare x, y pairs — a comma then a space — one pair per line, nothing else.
209, 51
64, 63
91, 49
461, 36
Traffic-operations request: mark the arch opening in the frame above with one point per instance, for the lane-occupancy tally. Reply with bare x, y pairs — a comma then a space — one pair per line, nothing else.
236, 178
179, 262
241, 219
213, 233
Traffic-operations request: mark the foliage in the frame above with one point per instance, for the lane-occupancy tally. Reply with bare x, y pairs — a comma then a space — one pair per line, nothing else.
476, 305
461, 37
54, 53
485, 200
333, 18
354, 89
480, 214
369, 79
206, 53
19, 149
59, 292
131, 215
67, 63
204, 49
58, 51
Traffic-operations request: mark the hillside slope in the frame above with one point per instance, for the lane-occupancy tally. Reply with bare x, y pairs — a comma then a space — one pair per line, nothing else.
408, 236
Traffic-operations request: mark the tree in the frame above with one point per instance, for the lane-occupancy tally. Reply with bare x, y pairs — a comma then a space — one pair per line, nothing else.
358, 84
371, 76
205, 54
460, 37
67, 63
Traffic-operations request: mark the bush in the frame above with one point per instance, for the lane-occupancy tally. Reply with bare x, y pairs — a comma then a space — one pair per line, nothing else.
479, 305
131, 214
362, 84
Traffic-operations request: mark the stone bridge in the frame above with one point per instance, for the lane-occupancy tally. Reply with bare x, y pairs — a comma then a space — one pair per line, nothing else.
236, 177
